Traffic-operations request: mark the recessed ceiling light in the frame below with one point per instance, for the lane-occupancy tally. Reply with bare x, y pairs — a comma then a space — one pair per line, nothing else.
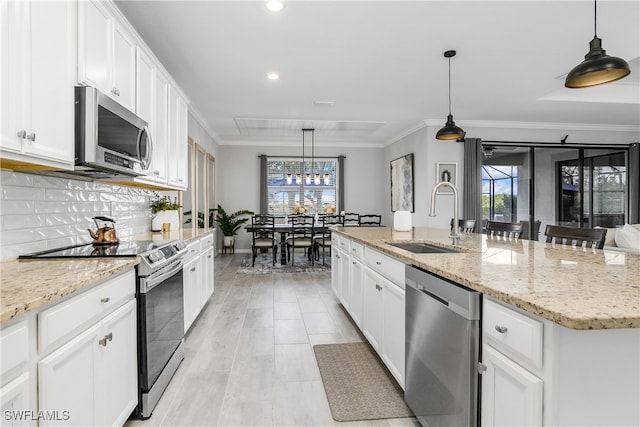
275, 6
273, 76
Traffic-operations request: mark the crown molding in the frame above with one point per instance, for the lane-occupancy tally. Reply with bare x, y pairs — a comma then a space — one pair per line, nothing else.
279, 142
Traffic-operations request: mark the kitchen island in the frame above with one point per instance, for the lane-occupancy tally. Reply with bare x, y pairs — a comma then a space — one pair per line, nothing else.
560, 326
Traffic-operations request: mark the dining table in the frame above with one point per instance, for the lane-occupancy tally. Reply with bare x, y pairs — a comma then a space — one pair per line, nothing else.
284, 229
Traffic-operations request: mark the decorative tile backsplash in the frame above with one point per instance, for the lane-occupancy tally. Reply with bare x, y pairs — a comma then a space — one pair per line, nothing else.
39, 212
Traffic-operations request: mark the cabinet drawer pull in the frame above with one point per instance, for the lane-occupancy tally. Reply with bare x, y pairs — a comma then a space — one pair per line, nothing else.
209, 257
31, 136
105, 300
156, 173
193, 269
22, 133
378, 262
109, 336
501, 329
115, 91
103, 342
353, 262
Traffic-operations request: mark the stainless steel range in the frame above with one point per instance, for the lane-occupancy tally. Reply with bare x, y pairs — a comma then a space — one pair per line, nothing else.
160, 308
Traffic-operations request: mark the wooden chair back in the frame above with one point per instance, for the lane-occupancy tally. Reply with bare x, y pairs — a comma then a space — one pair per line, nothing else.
504, 229
589, 237
465, 225
370, 220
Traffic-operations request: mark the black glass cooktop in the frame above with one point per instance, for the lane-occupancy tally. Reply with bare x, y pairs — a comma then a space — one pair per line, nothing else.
122, 249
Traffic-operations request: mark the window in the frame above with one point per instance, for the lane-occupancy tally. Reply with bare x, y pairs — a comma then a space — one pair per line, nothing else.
500, 193
285, 191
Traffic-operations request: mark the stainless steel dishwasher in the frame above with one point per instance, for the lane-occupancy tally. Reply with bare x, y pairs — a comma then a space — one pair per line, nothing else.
442, 344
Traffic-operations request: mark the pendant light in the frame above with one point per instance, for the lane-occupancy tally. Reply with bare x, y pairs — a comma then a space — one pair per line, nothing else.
300, 176
598, 67
450, 130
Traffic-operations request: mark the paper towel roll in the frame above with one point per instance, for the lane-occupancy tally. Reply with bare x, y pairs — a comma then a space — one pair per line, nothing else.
402, 221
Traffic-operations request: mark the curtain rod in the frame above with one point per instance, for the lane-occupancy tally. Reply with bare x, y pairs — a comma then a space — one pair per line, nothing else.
555, 144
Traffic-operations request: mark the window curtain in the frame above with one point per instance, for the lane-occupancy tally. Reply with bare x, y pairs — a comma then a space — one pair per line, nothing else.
263, 184
340, 188
633, 175
472, 195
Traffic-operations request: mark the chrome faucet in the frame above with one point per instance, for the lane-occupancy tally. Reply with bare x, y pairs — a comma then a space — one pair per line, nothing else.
454, 230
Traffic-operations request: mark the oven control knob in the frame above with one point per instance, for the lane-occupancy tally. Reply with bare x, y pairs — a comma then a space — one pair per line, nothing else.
155, 256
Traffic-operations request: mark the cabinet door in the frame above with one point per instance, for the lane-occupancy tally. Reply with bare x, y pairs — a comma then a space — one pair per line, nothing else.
14, 399
160, 127
191, 278
117, 384
345, 285
511, 395
207, 274
13, 82
124, 68
357, 296
372, 317
66, 379
177, 142
94, 45
335, 271
50, 71
393, 328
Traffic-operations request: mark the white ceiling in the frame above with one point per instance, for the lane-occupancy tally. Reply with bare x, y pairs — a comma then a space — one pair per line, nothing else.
382, 64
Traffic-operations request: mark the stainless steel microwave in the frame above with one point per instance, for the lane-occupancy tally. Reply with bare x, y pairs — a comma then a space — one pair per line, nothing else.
109, 139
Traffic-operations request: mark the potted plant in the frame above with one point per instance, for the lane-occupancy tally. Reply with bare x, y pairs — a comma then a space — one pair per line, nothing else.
164, 211
230, 223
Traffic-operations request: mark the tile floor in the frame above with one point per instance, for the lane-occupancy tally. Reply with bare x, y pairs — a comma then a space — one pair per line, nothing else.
249, 358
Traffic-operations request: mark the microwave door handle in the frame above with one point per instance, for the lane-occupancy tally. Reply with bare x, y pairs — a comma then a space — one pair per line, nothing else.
145, 162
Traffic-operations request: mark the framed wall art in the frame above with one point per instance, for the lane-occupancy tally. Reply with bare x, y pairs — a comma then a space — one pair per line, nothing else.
446, 171
402, 183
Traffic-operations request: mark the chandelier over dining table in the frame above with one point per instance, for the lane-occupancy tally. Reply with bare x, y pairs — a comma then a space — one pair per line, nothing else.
312, 175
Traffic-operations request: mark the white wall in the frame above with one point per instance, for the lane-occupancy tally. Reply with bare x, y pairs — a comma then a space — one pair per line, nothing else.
239, 179
427, 151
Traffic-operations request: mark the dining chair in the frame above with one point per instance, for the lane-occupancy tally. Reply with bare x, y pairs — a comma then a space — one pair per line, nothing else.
589, 237
323, 237
465, 225
504, 229
369, 220
351, 219
263, 236
300, 235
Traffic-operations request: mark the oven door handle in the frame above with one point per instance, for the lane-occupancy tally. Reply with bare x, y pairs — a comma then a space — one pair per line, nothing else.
154, 280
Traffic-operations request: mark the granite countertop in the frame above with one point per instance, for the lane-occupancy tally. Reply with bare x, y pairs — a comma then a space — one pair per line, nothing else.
574, 287
29, 285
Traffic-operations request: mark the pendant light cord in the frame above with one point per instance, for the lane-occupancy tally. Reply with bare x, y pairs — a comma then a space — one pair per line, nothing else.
449, 85
595, 18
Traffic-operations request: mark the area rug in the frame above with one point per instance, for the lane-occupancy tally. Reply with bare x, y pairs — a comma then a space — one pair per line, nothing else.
264, 265
357, 384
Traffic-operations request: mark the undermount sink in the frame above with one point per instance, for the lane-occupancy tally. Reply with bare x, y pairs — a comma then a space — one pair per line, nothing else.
422, 248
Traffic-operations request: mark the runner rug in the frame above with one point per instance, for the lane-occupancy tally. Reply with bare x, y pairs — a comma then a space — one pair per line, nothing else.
357, 384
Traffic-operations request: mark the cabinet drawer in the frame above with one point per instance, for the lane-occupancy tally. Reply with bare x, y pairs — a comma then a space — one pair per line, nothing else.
341, 242
62, 321
388, 267
514, 333
14, 350
206, 242
193, 249
357, 250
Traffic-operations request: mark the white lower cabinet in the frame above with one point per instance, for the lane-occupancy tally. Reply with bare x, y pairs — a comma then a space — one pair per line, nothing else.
198, 278
383, 322
14, 400
91, 380
511, 395
356, 279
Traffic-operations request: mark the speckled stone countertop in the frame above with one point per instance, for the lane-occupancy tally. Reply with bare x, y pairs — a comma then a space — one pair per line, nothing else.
574, 287
29, 285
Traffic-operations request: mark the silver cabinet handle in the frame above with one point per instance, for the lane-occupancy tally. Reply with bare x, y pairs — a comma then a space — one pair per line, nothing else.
31, 136
353, 262
105, 300
378, 287
115, 91
103, 342
22, 133
482, 368
501, 329
192, 269
109, 336
378, 262
209, 257
156, 172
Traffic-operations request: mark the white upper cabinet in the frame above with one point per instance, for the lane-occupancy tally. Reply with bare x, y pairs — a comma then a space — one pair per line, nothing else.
106, 54
38, 75
177, 120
